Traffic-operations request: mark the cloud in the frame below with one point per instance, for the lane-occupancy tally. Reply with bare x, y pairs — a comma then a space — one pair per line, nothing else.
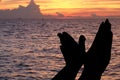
59, 14
94, 15
29, 12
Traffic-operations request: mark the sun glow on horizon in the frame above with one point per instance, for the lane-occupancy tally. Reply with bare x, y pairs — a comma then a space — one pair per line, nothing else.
69, 7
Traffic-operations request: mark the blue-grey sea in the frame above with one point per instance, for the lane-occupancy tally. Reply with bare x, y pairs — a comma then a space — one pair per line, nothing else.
29, 49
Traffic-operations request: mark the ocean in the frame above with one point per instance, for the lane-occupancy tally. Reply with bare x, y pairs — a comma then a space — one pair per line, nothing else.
29, 49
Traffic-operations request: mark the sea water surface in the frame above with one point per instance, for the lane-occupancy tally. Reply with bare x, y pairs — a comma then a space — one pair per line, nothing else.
29, 49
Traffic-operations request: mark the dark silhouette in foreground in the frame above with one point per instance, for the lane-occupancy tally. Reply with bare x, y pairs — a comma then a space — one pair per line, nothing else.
73, 54
95, 60
98, 56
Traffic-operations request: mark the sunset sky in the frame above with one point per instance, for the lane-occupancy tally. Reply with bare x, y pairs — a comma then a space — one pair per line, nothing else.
70, 7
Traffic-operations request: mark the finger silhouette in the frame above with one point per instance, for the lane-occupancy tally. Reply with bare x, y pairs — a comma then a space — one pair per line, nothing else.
81, 44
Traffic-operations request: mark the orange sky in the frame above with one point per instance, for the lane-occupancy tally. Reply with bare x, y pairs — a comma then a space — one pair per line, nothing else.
70, 7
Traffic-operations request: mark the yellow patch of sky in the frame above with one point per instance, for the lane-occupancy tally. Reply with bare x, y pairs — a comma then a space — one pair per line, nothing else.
65, 6
82, 4
65, 3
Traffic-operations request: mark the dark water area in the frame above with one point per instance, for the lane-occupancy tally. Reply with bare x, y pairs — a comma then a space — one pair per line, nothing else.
29, 49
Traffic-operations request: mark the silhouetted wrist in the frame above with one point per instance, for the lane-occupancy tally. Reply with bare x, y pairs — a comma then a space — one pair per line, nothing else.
90, 76
67, 73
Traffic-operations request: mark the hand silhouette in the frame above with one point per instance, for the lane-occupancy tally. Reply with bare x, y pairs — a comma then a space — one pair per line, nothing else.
98, 56
95, 60
73, 54
72, 51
